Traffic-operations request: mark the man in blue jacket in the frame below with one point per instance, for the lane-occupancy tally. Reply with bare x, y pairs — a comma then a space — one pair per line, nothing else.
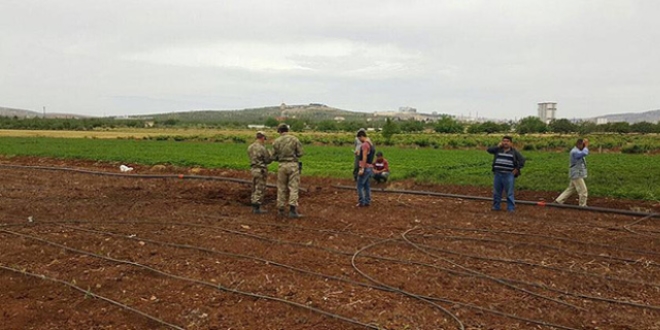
577, 172
506, 167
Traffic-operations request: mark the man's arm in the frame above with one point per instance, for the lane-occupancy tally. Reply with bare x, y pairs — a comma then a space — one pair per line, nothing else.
520, 160
365, 152
276, 153
579, 154
299, 150
386, 166
268, 156
493, 150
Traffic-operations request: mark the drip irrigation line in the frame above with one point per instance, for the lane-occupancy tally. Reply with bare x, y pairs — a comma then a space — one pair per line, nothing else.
337, 278
543, 236
341, 252
409, 294
90, 293
531, 264
191, 280
485, 276
627, 227
386, 289
332, 277
523, 202
545, 246
357, 253
268, 239
138, 176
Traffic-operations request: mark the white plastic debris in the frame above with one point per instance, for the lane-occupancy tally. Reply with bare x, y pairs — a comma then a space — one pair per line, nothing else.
30, 219
125, 168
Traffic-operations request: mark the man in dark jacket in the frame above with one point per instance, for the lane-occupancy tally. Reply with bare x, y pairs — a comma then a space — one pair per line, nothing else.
506, 167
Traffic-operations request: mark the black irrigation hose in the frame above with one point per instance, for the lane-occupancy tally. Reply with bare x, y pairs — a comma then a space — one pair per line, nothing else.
530, 264
421, 297
480, 198
564, 239
409, 294
362, 284
483, 275
275, 263
387, 289
335, 251
137, 176
89, 293
191, 280
627, 227
544, 246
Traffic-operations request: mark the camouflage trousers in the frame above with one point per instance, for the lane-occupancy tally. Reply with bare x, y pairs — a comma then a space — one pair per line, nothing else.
288, 182
259, 178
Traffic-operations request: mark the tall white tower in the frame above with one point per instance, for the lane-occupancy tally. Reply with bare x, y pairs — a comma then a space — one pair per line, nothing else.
547, 111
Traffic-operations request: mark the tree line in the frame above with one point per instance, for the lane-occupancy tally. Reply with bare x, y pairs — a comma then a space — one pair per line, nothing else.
445, 124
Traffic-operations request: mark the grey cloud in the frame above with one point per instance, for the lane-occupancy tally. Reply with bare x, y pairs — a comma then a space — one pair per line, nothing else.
495, 57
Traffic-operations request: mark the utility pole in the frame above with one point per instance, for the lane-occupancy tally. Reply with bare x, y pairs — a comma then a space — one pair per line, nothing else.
44, 107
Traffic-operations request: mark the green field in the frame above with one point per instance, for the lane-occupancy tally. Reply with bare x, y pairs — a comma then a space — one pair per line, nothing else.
611, 174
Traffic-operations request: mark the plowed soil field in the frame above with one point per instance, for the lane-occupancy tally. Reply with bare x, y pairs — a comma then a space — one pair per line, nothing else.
86, 251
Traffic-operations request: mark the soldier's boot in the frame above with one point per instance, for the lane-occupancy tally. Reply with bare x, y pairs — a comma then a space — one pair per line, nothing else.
256, 209
280, 212
293, 213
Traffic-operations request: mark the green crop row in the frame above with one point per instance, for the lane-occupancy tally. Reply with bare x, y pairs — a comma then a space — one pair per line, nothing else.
632, 144
610, 174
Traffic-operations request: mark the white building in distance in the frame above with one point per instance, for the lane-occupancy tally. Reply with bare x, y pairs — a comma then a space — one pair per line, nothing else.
601, 121
547, 111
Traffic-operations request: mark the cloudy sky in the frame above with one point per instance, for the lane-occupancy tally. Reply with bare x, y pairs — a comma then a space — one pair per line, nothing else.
462, 57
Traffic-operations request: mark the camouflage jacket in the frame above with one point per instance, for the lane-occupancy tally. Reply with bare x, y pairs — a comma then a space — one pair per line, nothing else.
287, 148
259, 156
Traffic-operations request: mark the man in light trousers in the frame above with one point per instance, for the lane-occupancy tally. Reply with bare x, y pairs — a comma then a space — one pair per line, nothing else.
577, 172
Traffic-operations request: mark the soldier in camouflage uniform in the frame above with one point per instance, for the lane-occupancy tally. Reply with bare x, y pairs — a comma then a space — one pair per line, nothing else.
287, 149
260, 157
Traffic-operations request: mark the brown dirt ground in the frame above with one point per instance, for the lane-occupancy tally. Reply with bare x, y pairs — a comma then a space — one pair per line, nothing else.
190, 253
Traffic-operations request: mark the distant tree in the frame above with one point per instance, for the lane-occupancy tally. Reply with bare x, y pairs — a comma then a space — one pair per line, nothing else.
563, 126
447, 124
389, 129
644, 127
327, 126
490, 127
586, 127
170, 122
531, 125
411, 126
351, 126
296, 125
271, 122
620, 127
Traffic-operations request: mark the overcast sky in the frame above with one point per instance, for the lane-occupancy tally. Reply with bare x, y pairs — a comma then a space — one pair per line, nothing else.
494, 58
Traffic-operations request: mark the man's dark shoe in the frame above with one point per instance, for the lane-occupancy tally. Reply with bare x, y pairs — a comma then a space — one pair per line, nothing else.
280, 212
256, 209
293, 213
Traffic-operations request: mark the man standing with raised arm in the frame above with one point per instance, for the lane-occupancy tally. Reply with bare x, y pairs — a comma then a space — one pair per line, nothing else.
506, 167
577, 171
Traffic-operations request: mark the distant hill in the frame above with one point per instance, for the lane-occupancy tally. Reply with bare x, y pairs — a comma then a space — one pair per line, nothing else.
20, 113
311, 112
652, 116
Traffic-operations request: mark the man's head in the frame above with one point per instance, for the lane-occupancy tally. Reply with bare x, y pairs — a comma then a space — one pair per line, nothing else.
261, 136
580, 144
362, 135
282, 128
379, 156
506, 142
